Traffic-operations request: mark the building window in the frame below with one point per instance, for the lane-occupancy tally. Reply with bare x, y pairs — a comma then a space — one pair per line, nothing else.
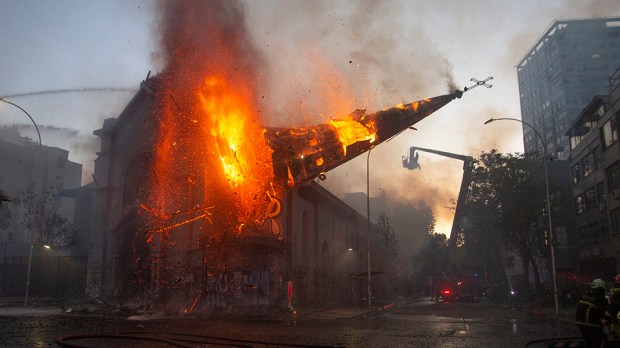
583, 236
579, 204
560, 235
597, 157
615, 221
601, 197
613, 177
576, 172
608, 133
595, 233
587, 165
604, 226
590, 199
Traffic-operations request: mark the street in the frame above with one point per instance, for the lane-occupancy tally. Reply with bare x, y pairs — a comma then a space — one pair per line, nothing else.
412, 323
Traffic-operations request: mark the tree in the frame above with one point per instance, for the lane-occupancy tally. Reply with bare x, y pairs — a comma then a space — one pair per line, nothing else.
41, 216
432, 257
390, 242
387, 235
506, 208
5, 212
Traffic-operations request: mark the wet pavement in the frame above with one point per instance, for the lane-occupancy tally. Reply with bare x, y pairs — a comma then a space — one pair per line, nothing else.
405, 323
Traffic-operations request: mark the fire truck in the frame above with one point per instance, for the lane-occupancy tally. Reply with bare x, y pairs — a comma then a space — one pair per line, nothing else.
449, 285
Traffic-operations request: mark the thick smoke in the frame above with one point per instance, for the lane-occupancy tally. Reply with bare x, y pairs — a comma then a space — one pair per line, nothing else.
361, 52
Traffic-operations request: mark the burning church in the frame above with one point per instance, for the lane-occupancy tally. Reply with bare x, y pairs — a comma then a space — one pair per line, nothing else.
204, 206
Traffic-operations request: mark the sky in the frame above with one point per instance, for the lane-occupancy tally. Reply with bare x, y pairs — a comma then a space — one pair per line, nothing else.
318, 59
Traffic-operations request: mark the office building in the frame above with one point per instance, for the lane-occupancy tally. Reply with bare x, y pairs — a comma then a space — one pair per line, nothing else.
560, 74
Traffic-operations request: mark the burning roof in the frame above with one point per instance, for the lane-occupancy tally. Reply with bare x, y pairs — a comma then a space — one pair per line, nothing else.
300, 154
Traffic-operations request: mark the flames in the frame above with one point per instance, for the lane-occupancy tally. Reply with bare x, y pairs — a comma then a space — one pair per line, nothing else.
211, 153
238, 144
413, 106
350, 132
214, 164
218, 147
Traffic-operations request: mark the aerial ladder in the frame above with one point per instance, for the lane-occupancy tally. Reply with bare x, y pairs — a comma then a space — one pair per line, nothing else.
411, 162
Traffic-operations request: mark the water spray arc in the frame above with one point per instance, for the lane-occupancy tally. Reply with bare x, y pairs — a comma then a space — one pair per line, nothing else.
71, 90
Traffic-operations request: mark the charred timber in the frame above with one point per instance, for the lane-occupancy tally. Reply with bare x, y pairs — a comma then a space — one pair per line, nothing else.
301, 154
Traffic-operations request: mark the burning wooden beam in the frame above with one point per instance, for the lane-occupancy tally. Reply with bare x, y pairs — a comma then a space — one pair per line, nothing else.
301, 154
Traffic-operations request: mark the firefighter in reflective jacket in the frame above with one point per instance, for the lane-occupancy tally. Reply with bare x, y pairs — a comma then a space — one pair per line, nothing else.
616, 287
590, 315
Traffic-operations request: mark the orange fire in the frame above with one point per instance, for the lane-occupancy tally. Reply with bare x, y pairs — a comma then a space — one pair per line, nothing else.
238, 143
413, 106
351, 131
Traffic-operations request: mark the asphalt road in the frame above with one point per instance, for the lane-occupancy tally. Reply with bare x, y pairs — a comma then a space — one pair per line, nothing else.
419, 323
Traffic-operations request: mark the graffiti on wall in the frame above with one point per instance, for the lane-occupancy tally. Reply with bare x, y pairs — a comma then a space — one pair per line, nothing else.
236, 289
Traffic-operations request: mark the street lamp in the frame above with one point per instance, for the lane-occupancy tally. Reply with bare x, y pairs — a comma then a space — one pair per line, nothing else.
34, 204
544, 144
369, 225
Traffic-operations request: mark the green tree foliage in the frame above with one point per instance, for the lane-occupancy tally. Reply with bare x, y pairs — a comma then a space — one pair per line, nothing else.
506, 207
432, 257
41, 216
433, 253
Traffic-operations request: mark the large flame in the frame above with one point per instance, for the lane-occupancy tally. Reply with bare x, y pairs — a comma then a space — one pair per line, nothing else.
350, 131
212, 162
238, 143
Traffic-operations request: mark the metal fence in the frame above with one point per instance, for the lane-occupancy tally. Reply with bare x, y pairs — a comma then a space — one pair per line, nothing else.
60, 277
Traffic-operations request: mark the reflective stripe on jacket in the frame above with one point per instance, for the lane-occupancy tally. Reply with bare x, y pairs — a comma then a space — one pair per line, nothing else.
590, 310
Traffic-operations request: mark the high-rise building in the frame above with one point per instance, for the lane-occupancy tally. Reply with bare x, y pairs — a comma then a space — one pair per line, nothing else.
26, 166
565, 68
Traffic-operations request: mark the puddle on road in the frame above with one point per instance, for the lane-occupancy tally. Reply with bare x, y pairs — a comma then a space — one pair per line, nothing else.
513, 324
462, 330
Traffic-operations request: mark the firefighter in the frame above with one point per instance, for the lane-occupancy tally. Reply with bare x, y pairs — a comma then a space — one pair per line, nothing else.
616, 287
590, 315
612, 314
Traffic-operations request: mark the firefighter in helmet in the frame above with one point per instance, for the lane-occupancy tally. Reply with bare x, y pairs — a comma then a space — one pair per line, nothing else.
590, 315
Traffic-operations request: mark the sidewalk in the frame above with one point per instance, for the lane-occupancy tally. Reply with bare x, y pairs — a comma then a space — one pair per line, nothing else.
14, 306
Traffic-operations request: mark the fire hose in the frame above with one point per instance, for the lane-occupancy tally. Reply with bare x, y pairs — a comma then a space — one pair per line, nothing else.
178, 340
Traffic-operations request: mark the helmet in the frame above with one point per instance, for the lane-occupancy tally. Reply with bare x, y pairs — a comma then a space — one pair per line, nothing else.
598, 284
617, 278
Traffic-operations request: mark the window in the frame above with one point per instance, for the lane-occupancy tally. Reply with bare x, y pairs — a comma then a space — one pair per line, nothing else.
583, 236
604, 227
601, 197
579, 204
613, 177
615, 221
587, 165
590, 198
608, 133
576, 172
560, 235
595, 233
597, 157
